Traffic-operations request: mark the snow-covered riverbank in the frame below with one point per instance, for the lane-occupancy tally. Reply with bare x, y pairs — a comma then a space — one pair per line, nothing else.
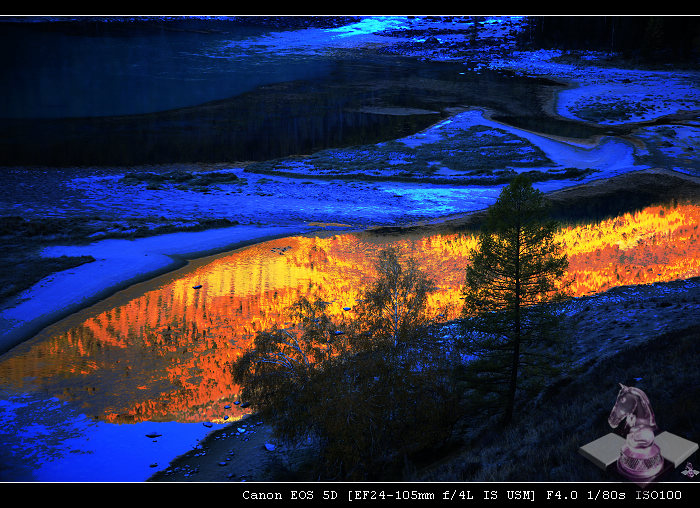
279, 205
270, 205
118, 264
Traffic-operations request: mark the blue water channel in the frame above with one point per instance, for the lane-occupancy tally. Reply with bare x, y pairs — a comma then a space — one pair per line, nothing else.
63, 70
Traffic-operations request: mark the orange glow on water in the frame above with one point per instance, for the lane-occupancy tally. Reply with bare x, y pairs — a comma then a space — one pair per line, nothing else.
655, 245
166, 353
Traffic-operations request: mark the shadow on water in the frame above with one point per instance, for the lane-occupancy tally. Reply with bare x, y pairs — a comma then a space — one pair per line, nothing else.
335, 100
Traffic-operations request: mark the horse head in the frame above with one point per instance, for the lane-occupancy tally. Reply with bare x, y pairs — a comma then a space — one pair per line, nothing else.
645, 416
632, 402
640, 457
625, 404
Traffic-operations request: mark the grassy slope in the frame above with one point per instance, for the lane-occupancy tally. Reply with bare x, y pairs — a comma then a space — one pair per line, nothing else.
575, 413
542, 446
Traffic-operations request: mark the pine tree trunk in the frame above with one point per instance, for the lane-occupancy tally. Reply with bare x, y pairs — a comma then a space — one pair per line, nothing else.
512, 387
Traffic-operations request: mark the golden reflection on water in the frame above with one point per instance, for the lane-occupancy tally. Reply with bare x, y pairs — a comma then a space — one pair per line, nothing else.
165, 352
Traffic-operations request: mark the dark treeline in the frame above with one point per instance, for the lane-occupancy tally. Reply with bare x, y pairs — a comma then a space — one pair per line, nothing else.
644, 37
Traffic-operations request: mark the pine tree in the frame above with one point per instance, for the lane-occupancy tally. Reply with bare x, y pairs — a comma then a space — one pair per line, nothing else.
511, 283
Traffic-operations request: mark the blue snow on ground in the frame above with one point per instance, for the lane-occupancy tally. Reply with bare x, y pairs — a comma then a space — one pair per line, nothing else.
371, 25
49, 441
44, 439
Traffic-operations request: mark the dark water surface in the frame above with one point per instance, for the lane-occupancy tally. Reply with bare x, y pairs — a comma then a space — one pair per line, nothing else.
150, 95
65, 70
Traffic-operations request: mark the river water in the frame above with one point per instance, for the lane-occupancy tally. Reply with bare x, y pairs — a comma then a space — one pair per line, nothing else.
156, 93
78, 402
115, 391
64, 70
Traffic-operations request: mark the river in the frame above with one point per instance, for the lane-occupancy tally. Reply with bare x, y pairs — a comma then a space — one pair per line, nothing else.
150, 94
115, 391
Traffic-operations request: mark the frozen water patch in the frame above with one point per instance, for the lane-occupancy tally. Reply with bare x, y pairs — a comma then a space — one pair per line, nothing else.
605, 95
372, 25
609, 156
370, 30
316, 41
58, 444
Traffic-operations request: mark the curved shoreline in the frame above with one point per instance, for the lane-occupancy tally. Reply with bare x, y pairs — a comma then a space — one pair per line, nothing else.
122, 264
118, 265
